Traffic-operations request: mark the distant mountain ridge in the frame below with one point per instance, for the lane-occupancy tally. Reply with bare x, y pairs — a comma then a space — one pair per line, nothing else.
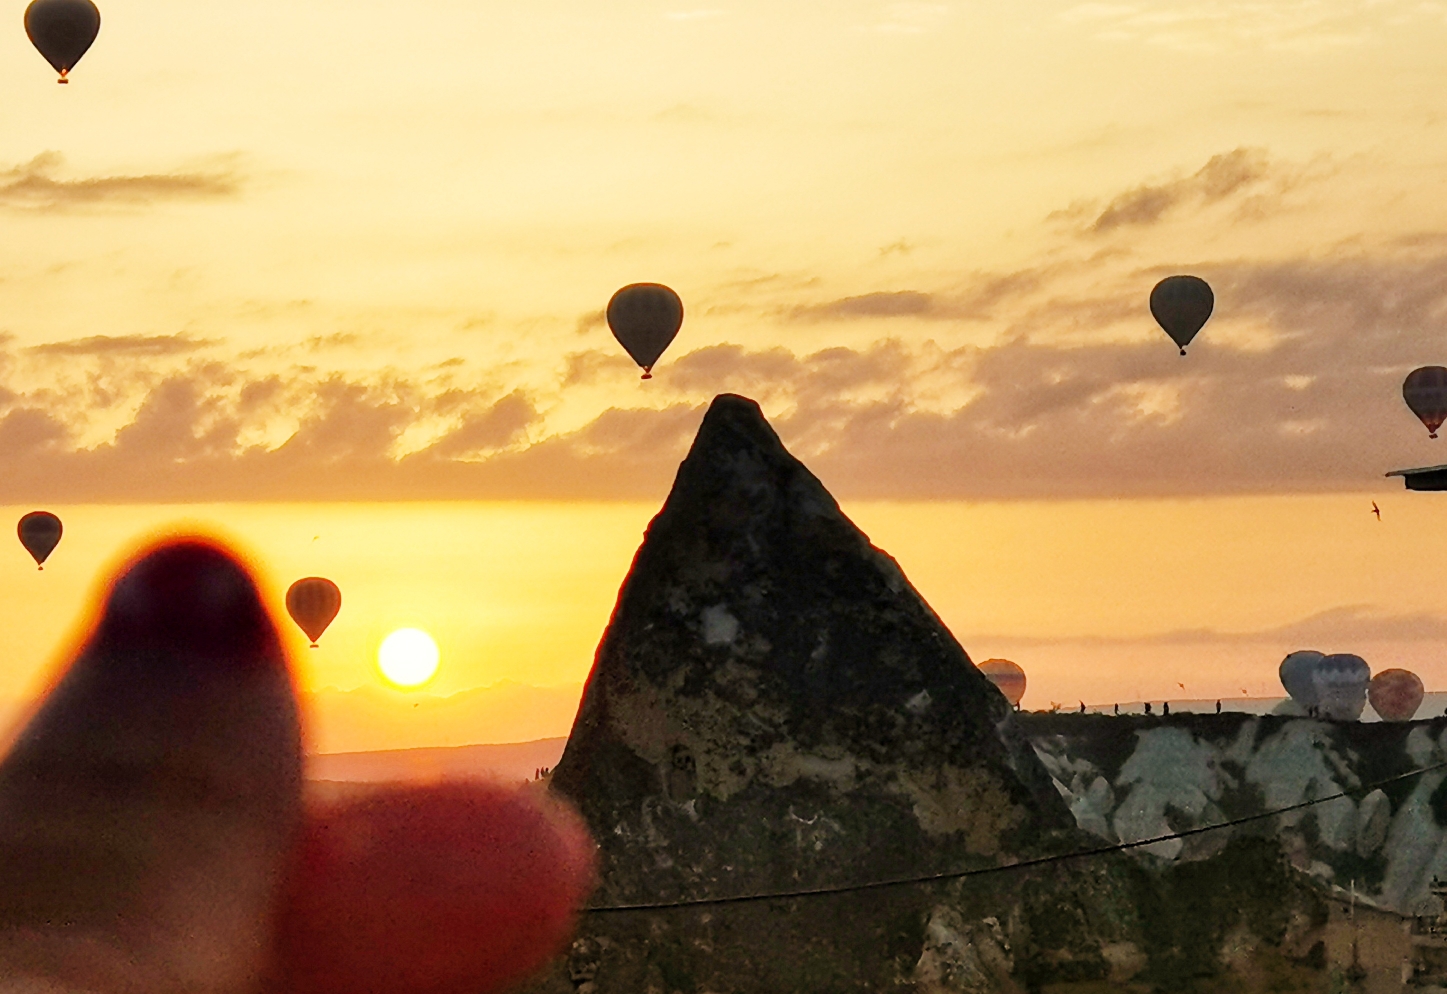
374, 719
504, 761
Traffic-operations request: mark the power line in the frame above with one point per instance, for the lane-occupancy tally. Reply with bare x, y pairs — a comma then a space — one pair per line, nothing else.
1006, 868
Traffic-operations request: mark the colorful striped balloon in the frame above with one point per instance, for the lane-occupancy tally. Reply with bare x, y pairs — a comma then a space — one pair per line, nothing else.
1341, 686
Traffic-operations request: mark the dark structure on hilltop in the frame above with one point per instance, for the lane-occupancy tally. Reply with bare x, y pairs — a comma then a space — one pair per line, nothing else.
774, 708
1423, 478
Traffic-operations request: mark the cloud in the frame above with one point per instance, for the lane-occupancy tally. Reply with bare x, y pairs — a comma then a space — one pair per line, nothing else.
123, 345
594, 365
911, 17
1223, 176
1329, 631
976, 299
593, 319
1069, 392
888, 303
489, 429
25, 430
1297, 25
35, 186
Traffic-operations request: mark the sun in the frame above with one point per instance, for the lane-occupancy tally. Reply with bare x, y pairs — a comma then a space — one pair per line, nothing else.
408, 657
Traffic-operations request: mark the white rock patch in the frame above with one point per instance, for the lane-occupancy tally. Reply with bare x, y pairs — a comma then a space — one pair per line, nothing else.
719, 626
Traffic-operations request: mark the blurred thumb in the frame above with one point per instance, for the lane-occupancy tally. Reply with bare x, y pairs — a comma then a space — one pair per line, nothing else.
148, 807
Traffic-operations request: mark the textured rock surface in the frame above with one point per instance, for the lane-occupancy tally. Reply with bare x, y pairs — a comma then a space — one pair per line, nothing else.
764, 664
1129, 778
774, 707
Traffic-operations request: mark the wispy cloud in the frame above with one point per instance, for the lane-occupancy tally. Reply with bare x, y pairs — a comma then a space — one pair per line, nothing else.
1191, 25
36, 185
879, 304
1245, 182
975, 299
591, 320
911, 17
1327, 630
123, 345
1046, 381
1223, 176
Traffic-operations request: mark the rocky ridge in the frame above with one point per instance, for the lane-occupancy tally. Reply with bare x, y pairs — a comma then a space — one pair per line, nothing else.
1135, 777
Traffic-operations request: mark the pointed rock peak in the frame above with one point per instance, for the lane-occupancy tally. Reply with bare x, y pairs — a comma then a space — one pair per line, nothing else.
735, 429
737, 454
768, 673
743, 489
732, 420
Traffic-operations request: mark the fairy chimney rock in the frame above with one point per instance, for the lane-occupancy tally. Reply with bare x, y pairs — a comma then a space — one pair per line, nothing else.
774, 706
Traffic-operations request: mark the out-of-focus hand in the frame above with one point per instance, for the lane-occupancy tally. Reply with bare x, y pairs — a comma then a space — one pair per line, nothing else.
153, 837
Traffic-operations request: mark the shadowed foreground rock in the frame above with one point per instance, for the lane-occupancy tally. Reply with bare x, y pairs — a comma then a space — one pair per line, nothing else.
774, 707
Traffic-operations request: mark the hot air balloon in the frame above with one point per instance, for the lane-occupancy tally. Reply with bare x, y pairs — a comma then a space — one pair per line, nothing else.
39, 532
1395, 695
1425, 391
313, 603
1341, 686
1008, 677
1181, 305
62, 31
1296, 670
645, 317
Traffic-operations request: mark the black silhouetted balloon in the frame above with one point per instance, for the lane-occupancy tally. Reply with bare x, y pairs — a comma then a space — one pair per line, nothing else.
62, 31
39, 532
312, 604
1425, 391
1182, 305
645, 317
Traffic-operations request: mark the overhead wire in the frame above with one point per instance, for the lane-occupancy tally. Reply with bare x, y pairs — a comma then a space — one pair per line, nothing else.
984, 871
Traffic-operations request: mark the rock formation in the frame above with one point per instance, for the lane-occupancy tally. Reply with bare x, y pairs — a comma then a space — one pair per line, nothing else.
1137, 777
772, 708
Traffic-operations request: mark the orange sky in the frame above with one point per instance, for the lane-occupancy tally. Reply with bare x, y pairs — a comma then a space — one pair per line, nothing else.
1100, 600
296, 270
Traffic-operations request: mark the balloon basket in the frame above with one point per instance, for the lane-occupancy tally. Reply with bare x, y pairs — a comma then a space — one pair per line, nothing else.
646, 376
40, 569
313, 645
62, 80
1432, 434
1183, 351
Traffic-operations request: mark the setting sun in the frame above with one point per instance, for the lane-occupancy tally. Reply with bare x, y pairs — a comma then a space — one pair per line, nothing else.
408, 657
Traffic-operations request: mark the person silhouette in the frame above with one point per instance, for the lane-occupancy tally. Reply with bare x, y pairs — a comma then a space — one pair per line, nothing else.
199, 871
1166, 708
1117, 709
1218, 707
1148, 707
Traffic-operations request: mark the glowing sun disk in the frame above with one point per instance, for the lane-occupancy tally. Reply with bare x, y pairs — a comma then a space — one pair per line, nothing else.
408, 657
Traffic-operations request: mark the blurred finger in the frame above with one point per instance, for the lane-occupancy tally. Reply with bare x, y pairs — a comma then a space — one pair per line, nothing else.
452, 888
148, 808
